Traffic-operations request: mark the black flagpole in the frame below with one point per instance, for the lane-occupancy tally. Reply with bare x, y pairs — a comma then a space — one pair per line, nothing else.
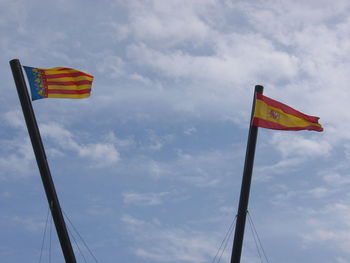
41, 160
245, 188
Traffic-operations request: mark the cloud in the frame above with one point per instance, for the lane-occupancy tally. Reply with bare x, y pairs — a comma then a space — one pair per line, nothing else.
156, 142
144, 199
12, 14
330, 225
157, 20
336, 179
28, 223
291, 145
111, 65
101, 154
15, 119
281, 167
19, 150
169, 244
206, 169
283, 19
190, 130
17, 158
235, 59
319, 192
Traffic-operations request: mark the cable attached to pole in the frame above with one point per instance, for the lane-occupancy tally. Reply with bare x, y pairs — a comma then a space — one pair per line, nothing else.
224, 242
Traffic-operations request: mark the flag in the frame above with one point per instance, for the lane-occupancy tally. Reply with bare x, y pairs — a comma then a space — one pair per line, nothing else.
58, 83
275, 115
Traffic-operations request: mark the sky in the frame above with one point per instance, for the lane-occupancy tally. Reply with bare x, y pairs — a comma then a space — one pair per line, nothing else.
149, 167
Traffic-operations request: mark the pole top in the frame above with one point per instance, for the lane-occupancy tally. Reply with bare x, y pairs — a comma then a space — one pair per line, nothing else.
259, 89
14, 62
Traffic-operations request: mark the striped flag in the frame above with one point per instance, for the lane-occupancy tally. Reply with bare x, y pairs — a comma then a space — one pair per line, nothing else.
275, 115
58, 83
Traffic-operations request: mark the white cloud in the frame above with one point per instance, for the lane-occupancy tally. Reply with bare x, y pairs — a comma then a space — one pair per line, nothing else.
12, 13
28, 223
286, 195
144, 199
111, 66
20, 156
207, 169
169, 244
18, 160
236, 59
121, 143
330, 225
336, 179
282, 166
293, 144
101, 153
283, 18
15, 119
156, 143
342, 260
319, 192
190, 130
157, 20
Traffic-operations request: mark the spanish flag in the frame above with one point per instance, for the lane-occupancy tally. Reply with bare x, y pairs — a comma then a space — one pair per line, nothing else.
275, 115
58, 83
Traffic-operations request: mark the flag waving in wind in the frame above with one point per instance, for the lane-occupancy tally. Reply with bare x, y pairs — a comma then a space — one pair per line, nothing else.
275, 115
58, 83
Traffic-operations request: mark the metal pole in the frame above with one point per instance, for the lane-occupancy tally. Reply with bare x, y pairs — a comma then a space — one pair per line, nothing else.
245, 188
41, 160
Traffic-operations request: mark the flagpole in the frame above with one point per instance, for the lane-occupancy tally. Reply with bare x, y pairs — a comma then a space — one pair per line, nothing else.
43, 166
245, 187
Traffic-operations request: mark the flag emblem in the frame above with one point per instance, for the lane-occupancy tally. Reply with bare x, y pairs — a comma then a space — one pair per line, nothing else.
58, 82
274, 115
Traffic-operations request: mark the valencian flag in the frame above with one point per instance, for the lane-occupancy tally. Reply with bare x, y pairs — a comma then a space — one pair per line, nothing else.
58, 83
275, 115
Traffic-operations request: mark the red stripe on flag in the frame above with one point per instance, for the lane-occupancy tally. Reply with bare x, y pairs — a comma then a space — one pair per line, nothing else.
73, 74
65, 69
75, 69
275, 126
286, 108
70, 83
61, 91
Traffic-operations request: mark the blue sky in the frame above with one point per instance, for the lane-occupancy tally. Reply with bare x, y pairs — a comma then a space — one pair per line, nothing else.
149, 167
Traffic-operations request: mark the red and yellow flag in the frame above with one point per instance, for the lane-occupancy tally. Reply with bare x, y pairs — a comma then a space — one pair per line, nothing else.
275, 115
58, 83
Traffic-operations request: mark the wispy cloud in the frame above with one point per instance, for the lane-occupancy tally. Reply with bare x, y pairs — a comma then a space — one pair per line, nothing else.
169, 244
144, 199
330, 225
206, 169
296, 145
100, 153
18, 160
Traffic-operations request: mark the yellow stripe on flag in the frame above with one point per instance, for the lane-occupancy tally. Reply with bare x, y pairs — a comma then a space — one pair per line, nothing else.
63, 79
70, 87
68, 96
